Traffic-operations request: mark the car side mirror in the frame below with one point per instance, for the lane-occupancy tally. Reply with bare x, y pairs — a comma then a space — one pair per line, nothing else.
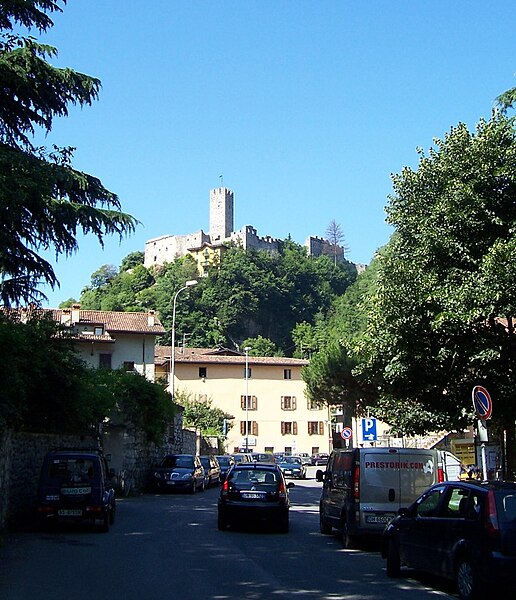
291, 484
319, 476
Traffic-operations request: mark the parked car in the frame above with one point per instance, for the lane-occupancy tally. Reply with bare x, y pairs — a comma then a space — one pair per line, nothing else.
242, 457
211, 470
292, 466
363, 488
465, 531
225, 462
305, 458
263, 457
320, 459
179, 472
76, 486
254, 493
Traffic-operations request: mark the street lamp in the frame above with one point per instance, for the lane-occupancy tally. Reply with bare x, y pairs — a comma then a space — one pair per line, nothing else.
188, 284
247, 348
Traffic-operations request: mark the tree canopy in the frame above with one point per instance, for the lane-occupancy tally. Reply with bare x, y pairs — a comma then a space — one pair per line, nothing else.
44, 201
254, 297
443, 318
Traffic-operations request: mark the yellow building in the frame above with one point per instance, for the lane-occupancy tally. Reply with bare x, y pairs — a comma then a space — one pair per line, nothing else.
207, 256
270, 410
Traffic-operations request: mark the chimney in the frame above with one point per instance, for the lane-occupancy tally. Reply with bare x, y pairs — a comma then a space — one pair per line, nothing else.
75, 313
151, 321
66, 317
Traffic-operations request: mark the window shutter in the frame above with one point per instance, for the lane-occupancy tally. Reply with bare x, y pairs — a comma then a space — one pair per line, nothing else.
255, 428
294, 428
294, 404
242, 427
282, 427
282, 402
321, 428
242, 402
254, 403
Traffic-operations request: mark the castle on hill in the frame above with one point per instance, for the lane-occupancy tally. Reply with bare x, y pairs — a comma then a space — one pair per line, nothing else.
207, 248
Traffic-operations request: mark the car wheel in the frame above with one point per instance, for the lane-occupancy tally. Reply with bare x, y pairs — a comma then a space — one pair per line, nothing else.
324, 528
112, 514
348, 541
284, 525
221, 524
393, 560
468, 584
104, 528
203, 485
193, 489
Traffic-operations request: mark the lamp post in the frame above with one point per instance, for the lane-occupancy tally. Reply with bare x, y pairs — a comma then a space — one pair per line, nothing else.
247, 398
188, 284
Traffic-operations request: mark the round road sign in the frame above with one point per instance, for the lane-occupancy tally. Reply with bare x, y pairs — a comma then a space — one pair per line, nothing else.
346, 433
482, 403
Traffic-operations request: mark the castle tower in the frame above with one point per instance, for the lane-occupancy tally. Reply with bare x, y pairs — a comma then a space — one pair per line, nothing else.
221, 214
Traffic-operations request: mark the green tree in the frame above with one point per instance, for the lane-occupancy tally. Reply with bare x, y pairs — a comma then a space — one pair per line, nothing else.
43, 200
443, 317
260, 346
202, 415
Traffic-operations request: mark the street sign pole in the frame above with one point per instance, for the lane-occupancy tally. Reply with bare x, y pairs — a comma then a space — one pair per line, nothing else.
483, 406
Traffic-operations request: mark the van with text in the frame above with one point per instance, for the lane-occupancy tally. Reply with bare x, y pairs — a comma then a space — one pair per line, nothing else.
363, 488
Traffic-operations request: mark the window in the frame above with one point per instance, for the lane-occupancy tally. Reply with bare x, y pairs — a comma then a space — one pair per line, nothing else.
248, 373
312, 405
288, 403
287, 373
128, 366
104, 361
203, 372
288, 428
315, 428
253, 427
427, 506
99, 330
252, 402
288, 450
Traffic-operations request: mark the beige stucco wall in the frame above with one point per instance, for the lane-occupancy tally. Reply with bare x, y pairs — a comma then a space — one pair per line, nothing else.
225, 384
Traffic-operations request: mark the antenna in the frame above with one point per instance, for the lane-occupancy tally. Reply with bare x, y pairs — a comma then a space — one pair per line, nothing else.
221, 177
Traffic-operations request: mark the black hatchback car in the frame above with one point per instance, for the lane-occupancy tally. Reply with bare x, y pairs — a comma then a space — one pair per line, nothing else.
254, 493
459, 530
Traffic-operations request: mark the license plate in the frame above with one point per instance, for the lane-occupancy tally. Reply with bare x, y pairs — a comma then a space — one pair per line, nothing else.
380, 519
252, 495
69, 512
171, 482
288, 472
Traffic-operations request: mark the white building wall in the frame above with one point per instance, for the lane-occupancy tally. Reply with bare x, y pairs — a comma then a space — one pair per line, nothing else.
126, 348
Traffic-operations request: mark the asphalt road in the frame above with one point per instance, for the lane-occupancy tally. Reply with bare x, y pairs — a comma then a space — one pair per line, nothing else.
168, 546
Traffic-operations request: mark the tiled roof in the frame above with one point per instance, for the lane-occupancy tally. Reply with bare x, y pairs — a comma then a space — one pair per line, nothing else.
217, 355
117, 322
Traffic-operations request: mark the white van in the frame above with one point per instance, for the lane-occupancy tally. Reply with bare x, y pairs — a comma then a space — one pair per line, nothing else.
363, 488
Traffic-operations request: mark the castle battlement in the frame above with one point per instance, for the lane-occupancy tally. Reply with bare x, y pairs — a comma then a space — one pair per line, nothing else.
167, 248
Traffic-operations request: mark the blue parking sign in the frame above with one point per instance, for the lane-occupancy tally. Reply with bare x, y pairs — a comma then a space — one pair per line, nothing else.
369, 429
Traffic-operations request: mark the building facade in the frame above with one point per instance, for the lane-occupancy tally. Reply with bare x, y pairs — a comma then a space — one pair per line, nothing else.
268, 408
113, 340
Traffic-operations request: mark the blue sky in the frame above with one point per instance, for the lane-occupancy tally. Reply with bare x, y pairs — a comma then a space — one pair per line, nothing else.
304, 107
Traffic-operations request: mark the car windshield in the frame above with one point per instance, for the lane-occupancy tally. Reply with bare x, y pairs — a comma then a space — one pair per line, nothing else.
247, 478
224, 461
72, 470
171, 462
292, 460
